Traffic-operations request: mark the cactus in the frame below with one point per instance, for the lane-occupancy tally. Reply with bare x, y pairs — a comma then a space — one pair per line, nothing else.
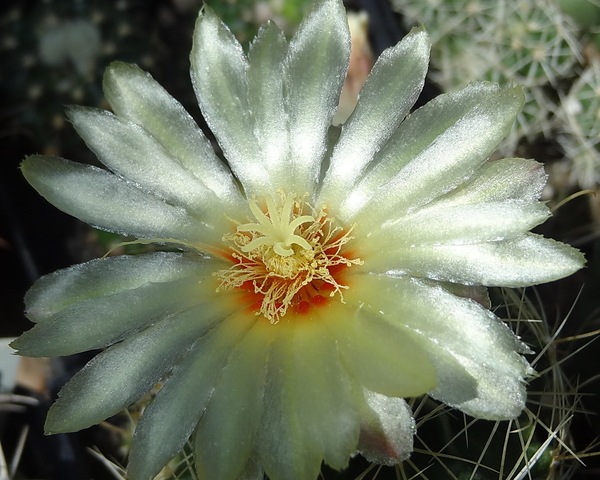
580, 118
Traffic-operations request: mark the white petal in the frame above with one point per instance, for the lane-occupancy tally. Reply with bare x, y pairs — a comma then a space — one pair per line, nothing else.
390, 91
266, 97
310, 410
133, 153
171, 418
120, 375
326, 407
105, 276
103, 200
378, 356
96, 304
219, 75
314, 72
476, 357
135, 96
387, 429
500, 180
226, 433
285, 451
461, 224
102, 321
521, 261
434, 150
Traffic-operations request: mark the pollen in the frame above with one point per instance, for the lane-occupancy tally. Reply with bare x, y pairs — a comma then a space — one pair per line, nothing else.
290, 259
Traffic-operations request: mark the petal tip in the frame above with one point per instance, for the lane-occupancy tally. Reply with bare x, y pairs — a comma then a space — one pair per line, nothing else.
54, 424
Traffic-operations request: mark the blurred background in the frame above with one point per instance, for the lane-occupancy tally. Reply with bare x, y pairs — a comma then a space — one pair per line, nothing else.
53, 53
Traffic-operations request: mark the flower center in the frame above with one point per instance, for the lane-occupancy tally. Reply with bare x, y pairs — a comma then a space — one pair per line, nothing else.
287, 259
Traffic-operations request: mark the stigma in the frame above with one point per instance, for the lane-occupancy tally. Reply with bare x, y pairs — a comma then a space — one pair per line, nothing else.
290, 259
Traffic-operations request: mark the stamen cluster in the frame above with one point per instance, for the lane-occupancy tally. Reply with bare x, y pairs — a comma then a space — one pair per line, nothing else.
288, 258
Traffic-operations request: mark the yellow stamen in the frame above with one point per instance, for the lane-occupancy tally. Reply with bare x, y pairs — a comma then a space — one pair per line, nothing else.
287, 256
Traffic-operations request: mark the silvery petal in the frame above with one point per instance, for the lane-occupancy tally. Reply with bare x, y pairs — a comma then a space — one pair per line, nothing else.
497, 181
219, 75
520, 261
266, 97
387, 429
130, 151
108, 202
476, 357
226, 432
105, 276
284, 450
135, 96
461, 224
314, 72
120, 375
102, 321
391, 89
310, 411
171, 418
433, 151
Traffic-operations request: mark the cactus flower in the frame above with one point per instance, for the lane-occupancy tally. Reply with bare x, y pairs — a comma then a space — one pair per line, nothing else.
316, 280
